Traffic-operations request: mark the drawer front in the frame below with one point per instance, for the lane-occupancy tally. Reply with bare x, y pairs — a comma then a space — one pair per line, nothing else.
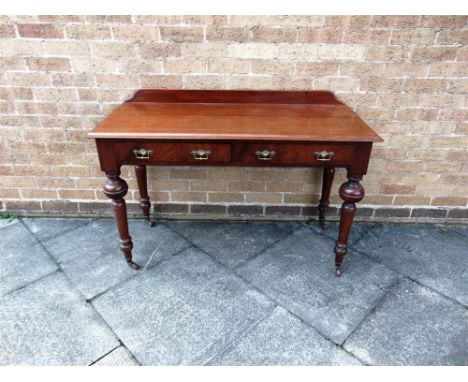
290, 154
172, 152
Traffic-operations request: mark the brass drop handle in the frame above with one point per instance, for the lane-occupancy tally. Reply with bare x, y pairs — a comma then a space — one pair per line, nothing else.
265, 154
143, 153
324, 155
201, 154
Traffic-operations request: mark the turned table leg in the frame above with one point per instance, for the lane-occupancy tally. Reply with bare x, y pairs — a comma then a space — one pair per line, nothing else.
145, 203
116, 188
351, 192
328, 174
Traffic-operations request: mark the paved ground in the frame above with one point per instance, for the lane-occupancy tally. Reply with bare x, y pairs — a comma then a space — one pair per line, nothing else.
222, 293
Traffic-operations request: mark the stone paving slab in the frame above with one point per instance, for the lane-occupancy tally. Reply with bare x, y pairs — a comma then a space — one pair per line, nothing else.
22, 259
118, 357
49, 323
47, 228
282, 339
298, 273
358, 230
232, 243
434, 255
183, 311
413, 326
90, 255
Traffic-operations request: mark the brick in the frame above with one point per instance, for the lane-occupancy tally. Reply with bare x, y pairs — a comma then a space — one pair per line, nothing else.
443, 21
453, 114
181, 196
461, 213
94, 65
277, 35
341, 52
397, 189
160, 81
72, 79
392, 212
200, 185
367, 36
188, 173
272, 67
61, 18
400, 166
428, 213
379, 84
246, 186
245, 210
112, 49
204, 50
215, 209
56, 64
12, 94
434, 54
404, 69
184, 65
118, 19
449, 201
12, 63
320, 36
415, 36
7, 31
40, 31
21, 47
387, 53
298, 52
360, 69
159, 20
227, 34
394, 21
38, 194
27, 79
137, 66
452, 37
316, 69
181, 34
283, 210
66, 48
55, 94
170, 208
450, 142
117, 80
416, 114
406, 200
228, 65
252, 50
263, 197
448, 69
425, 85
205, 82
135, 32
23, 205
225, 197
88, 32
347, 21
250, 82
157, 50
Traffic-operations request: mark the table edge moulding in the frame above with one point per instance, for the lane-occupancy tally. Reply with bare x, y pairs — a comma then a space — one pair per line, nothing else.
234, 128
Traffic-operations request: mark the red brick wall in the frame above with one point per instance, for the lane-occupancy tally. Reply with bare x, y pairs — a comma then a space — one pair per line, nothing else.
407, 76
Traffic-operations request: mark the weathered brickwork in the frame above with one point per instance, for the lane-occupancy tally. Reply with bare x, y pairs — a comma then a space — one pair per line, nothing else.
407, 76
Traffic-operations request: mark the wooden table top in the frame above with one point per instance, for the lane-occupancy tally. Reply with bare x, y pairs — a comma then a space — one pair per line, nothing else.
235, 115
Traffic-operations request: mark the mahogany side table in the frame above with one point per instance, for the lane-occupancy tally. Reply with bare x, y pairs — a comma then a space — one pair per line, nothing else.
235, 128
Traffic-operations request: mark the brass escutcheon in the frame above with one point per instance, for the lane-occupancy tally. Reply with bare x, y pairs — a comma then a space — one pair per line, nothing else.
143, 153
201, 154
324, 155
265, 154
